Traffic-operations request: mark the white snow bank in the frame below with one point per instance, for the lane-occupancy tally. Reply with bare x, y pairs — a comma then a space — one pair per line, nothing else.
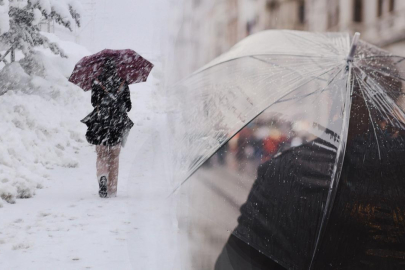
40, 121
13, 77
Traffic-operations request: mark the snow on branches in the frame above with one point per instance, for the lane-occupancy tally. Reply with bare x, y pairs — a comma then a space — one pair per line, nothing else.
4, 18
19, 21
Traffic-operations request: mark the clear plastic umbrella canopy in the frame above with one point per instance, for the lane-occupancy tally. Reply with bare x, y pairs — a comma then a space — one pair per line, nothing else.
288, 152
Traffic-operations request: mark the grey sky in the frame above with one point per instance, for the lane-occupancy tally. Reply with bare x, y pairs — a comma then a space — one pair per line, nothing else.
141, 25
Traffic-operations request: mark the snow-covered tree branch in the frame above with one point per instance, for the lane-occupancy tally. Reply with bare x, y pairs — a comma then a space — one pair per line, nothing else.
19, 21
4, 18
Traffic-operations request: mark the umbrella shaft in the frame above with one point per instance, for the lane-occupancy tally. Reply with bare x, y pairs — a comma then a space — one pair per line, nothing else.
353, 47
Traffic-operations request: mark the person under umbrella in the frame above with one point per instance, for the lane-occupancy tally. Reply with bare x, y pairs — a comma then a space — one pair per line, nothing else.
333, 202
366, 226
111, 99
108, 74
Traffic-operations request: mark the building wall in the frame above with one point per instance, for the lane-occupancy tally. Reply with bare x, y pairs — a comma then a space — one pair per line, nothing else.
386, 30
206, 29
211, 27
278, 14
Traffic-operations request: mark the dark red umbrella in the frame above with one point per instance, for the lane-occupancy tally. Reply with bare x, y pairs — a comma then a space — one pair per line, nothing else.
130, 66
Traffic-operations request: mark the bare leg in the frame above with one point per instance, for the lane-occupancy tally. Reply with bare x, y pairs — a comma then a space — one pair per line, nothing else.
113, 169
102, 169
102, 163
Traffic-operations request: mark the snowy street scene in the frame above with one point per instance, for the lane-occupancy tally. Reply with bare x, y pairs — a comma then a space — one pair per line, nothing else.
51, 214
204, 134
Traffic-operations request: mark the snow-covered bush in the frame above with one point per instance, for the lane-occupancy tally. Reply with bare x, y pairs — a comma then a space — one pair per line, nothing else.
13, 77
40, 110
40, 119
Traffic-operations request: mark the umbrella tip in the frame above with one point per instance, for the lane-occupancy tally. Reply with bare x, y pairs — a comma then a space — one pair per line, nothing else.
353, 47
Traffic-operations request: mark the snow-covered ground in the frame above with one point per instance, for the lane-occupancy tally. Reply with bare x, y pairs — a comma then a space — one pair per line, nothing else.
39, 127
51, 216
67, 226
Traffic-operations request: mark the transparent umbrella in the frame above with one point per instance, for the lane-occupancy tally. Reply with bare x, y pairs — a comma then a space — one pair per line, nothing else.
325, 189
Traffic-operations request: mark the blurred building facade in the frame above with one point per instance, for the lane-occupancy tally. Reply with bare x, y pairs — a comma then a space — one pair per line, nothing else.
206, 29
381, 22
211, 27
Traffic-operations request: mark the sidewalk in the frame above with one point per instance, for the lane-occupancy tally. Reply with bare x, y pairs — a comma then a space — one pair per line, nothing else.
67, 226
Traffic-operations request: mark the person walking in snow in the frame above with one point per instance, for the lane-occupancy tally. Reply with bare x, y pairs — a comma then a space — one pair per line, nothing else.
107, 74
108, 125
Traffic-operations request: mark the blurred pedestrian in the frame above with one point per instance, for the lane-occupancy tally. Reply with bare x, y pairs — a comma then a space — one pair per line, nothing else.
272, 144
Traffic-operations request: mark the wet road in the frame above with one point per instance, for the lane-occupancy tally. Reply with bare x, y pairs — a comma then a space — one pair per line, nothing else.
208, 208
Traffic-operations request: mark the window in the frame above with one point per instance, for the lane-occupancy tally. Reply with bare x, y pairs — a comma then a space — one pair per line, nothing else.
391, 5
249, 27
333, 14
272, 4
301, 12
196, 3
358, 11
380, 8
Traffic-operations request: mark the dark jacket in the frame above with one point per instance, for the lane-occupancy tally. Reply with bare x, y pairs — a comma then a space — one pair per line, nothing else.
282, 215
283, 211
108, 122
366, 227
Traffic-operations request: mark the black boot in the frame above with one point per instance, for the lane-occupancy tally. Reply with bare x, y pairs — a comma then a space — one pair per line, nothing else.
102, 182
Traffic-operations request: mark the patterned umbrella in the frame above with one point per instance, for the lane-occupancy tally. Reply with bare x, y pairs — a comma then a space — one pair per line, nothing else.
130, 66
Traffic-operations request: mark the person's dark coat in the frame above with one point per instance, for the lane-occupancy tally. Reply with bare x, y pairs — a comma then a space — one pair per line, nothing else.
281, 218
108, 122
366, 227
282, 213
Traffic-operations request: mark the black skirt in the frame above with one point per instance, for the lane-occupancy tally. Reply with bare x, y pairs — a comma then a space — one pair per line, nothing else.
105, 127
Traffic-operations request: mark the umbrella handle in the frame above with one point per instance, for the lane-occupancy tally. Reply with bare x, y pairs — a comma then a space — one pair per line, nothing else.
119, 88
